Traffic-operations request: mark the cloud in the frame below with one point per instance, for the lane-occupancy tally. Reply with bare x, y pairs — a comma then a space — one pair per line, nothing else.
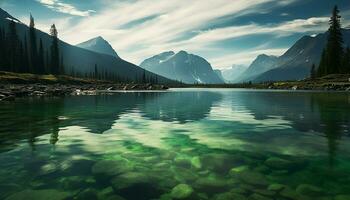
143, 28
66, 8
282, 29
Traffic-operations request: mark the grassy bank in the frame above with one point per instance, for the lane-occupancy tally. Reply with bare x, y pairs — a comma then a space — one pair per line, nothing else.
17, 78
329, 82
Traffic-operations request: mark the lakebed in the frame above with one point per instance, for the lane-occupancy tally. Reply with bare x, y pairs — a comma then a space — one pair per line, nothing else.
177, 144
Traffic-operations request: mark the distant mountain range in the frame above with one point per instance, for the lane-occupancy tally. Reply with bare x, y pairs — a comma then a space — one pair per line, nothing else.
294, 64
84, 60
98, 45
231, 74
182, 66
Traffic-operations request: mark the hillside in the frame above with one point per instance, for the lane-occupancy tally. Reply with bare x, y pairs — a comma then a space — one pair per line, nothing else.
182, 66
81, 60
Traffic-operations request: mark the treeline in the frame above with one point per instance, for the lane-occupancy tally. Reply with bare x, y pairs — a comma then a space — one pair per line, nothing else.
28, 55
335, 58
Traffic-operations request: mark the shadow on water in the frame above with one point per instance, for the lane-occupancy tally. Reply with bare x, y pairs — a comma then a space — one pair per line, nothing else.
109, 144
327, 114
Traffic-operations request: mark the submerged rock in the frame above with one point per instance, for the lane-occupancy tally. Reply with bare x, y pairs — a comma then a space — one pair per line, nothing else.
278, 163
229, 195
211, 183
309, 190
234, 171
39, 195
253, 178
342, 197
196, 162
289, 193
182, 162
111, 167
88, 194
276, 187
129, 179
258, 197
265, 192
181, 191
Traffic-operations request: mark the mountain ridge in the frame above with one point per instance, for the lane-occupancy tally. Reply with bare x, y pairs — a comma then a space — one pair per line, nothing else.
87, 59
99, 45
182, 66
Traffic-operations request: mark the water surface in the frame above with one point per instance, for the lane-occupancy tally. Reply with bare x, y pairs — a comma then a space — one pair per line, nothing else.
181, 144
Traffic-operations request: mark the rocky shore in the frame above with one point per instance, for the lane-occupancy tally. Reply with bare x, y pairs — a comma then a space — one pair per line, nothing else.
9, 92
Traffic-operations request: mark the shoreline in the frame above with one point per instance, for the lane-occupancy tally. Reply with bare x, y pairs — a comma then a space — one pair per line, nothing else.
10, 92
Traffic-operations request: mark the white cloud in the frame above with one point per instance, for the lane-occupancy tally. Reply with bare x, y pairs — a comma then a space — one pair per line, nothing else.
174, 20
66, 8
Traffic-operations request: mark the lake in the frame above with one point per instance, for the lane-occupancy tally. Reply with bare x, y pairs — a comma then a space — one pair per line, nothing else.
179, 144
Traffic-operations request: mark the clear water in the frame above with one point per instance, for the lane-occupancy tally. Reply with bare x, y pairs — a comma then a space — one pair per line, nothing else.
180, 144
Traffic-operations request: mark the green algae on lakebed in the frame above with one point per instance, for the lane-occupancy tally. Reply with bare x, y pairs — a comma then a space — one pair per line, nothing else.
181, 144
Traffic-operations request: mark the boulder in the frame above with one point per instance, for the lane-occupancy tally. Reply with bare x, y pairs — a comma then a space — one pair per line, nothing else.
276, 187
289, 193
229, 195
258, 197
87, 194
196, 162
127, 180
309, 190
278, 163
111, 167
253, 178
211, 183
39, 195
181, 191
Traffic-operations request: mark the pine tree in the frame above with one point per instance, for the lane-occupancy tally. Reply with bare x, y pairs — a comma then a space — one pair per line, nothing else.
96, 72
47, 63
144, 76
12, 47
55, 64
322, 68
41, 64
335, 43
346, 61
313, 71
2, 50
25, 67
33, 54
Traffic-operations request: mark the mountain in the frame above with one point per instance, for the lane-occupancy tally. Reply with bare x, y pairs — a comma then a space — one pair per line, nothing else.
98, 45
231, 74
81, 60
182, 66
219, 74
261, 64
296, 63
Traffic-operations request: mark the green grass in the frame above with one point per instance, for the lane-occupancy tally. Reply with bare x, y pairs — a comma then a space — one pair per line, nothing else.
20, 78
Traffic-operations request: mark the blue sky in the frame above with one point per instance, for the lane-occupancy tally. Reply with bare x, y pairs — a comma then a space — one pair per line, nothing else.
225, 32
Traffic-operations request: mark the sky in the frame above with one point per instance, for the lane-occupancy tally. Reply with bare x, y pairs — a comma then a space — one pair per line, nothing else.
225, 32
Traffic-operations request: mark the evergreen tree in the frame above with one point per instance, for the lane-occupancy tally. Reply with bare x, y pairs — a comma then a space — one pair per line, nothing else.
335, 43
2, 49
55, 65
47, 62
96, 72
25, 67
33, 55
322, 68
61, 70
144, 76
313, 71
346, 61
41, 64
12, 47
